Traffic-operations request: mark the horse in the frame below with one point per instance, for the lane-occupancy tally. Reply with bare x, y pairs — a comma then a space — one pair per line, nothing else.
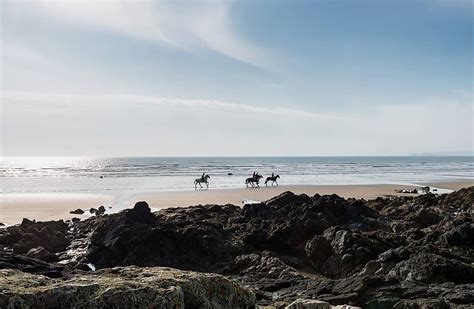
254, 180
201, 180
273, 179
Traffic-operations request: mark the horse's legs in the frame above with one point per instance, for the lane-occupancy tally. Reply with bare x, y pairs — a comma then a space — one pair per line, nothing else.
276, 182
200, 186
207, 185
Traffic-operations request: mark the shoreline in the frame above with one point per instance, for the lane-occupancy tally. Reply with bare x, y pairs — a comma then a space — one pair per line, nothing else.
55, 206
160, 200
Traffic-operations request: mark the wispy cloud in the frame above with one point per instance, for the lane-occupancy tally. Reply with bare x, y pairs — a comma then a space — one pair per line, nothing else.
182, 25
73, 99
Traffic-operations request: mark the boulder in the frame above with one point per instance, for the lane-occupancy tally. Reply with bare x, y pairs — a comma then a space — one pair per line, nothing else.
141, 212
123, 287
77, 212
100, 211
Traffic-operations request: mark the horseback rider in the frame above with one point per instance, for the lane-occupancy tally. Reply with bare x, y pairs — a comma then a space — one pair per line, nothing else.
203, 175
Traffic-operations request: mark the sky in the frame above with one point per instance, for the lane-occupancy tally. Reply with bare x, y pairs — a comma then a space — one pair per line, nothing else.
236, 78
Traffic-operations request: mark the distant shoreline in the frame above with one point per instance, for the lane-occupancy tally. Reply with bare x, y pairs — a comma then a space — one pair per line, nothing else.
55, 206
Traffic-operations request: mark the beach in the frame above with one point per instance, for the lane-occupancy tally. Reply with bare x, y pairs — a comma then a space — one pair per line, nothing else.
55, 206
47, 206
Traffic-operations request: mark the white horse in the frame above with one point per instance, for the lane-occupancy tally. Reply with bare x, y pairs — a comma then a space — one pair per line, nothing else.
204, 179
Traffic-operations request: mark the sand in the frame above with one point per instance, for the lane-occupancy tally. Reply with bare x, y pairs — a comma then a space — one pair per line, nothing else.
47, 206
55, 206
452, 185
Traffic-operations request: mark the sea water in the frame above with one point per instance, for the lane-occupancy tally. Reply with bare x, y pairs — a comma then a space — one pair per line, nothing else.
128, 176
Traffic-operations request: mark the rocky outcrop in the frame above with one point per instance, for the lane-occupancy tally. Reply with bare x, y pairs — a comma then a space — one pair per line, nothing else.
171, 238
30, 265
50, 235
129, 287
433, 268
395, 252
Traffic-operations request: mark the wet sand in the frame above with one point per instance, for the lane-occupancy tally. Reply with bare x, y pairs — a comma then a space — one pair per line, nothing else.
48, 206
55, 206
452, 185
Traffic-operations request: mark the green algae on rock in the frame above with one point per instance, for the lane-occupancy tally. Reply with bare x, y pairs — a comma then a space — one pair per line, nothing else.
123, 287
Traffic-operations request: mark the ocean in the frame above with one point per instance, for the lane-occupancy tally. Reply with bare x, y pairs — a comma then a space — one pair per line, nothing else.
128, 176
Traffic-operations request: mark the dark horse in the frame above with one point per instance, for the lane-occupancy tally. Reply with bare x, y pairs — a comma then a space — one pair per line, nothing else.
254, 180
273, 179
204, 179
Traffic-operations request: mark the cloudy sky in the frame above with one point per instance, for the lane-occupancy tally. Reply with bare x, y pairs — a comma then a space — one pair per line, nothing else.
153, 78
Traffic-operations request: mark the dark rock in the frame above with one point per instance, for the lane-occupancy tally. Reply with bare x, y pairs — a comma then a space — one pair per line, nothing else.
462, 295
432, 268
462, 235
141, 212
286, 222
186, 238
425, 217
353, 249
51, 235
318, 250
42, 254
30, 265
26, 222
77, 211
100, 211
